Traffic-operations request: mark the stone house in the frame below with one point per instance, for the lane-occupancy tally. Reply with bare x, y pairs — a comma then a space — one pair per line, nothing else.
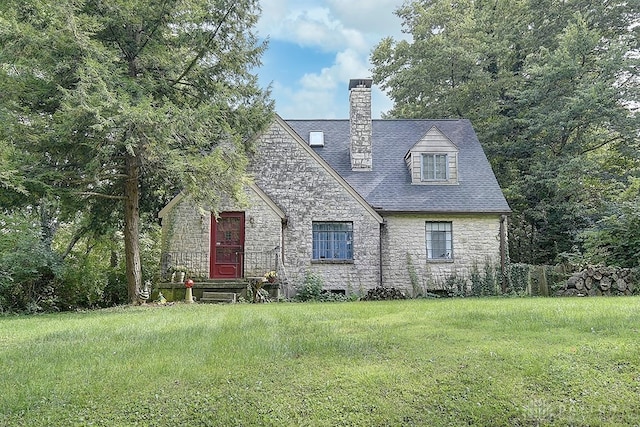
359, 202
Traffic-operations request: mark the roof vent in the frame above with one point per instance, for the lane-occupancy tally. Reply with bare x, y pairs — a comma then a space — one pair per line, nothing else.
316, 138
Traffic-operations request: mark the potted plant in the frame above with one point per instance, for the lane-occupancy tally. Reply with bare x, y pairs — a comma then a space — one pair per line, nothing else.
180, 272
271, 276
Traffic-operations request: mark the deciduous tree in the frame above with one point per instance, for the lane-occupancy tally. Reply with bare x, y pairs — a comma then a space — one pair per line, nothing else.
552, 89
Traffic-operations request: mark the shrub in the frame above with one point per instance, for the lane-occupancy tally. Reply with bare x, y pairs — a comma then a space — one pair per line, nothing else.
384, 293
94, 274
413, 276
83, 284
28, 268
311, 288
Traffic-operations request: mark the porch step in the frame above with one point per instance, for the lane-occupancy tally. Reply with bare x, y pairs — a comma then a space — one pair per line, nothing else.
218, 297
221, 285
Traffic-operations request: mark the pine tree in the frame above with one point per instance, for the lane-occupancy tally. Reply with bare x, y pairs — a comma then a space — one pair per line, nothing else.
124, 102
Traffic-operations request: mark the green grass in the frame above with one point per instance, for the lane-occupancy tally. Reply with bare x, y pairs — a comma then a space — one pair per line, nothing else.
511, 362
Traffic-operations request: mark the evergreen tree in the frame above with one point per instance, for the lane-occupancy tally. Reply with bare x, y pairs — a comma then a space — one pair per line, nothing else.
126, 101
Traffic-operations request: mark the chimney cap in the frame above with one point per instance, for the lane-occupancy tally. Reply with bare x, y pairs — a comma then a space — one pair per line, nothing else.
360, 82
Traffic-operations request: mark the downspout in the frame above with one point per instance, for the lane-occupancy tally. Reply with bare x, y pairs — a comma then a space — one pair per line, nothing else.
283, 225
503, 252
382, 224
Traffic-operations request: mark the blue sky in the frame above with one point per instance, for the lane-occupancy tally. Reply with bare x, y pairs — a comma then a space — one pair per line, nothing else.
316, 46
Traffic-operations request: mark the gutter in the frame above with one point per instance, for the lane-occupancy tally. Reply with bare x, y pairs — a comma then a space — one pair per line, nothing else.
382, 212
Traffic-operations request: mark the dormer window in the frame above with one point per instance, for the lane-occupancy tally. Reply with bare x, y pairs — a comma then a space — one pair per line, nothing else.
433, 160
435, 167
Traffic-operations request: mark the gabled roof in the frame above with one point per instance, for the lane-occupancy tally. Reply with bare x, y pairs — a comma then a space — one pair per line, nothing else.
304, 144
433, 132
388, 186
261, 194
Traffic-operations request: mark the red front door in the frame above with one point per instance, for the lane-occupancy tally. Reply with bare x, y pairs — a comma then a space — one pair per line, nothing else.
227, 245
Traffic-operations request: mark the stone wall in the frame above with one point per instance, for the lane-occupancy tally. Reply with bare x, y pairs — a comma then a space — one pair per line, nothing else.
476, 241
187, 231
307, 190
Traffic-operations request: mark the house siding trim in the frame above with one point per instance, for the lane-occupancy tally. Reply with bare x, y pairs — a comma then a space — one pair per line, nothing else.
434, 142
177, 199
267, 200
172, 203
385, 213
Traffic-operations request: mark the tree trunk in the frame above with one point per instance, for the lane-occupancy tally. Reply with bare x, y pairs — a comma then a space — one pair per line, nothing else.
131, 227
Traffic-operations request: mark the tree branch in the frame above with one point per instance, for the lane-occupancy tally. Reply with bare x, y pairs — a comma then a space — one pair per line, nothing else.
203, 50
76, 237
155, 27
602, 144
104, 196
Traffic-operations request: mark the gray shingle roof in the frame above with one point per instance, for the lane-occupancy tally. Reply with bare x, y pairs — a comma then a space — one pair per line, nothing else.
388, 186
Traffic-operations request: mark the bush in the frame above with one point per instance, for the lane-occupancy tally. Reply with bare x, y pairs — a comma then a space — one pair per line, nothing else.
485, 283
35, 277
82, 285
29, 270
311, 288
384, 293
94, 274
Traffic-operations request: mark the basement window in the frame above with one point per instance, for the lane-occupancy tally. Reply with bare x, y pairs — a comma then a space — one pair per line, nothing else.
316, 139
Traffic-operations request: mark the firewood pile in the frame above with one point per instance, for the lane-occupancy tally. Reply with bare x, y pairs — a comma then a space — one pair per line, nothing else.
383, 293
599, 280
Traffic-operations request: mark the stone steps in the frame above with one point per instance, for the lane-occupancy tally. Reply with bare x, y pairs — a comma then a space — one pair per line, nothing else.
216, 297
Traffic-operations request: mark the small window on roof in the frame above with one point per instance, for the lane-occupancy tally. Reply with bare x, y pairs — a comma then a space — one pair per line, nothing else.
435, 167
316, 138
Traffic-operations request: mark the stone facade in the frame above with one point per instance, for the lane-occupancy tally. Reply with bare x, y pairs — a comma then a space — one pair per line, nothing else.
295, 186
308, 190
186, 232
476, 242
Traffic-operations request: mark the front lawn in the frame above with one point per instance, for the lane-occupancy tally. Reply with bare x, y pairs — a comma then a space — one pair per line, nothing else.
511, 362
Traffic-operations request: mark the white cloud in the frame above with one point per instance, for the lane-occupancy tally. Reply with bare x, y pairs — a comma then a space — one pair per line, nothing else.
374, 17
348, 29
311, 27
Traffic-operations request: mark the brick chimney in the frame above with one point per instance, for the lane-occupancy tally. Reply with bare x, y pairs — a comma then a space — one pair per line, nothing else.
360, 124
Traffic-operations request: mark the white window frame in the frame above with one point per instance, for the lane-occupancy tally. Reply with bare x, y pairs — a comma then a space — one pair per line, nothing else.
433, 157
439, 239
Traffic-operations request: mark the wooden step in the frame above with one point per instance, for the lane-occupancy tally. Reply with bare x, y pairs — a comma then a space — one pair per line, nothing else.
209, 296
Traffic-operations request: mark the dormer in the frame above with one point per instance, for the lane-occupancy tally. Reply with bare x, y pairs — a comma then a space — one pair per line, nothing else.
433, 160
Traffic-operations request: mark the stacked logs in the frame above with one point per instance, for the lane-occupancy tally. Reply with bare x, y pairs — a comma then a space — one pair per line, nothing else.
599, 280
383, 293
